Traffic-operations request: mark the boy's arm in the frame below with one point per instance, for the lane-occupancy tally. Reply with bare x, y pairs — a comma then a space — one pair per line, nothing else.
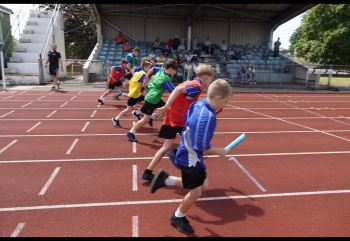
177, 91
216, 151
47, 61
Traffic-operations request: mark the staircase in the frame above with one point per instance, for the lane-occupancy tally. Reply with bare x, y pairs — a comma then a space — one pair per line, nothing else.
23, 67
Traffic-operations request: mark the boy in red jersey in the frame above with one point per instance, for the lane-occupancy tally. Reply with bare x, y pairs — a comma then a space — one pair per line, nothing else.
114, 79
175, 109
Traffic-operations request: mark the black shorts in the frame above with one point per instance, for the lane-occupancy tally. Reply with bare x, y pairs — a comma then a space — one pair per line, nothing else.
169, 132
192, 177
53, 70
134, 101
128, 76
111, 86
148, 108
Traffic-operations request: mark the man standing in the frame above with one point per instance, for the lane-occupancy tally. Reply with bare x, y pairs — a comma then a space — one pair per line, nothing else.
53, 58
276, 49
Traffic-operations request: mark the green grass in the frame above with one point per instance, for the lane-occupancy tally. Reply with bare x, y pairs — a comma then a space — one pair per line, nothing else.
335, 81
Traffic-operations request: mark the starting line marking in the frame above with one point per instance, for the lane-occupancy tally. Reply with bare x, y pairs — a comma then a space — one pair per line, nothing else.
49, 181
249, 175
73, 97
85, 126
33, 127
8, 97
41, 97
72, 146
134, 178
8, 146
26, 104
17, 230
125, 203
65, 103
51, 114
8, 113
93, 113
150, 157
135, 226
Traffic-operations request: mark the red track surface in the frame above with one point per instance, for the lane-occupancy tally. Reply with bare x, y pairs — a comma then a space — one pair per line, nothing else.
296, 154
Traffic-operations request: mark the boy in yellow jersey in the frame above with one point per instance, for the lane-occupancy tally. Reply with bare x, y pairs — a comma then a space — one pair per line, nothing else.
136, 84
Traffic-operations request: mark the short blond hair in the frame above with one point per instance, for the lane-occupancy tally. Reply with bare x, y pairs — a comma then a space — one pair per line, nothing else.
219, 87
205, 69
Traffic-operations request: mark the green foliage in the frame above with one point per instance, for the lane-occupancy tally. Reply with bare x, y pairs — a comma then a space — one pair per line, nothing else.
80, 29
324, 35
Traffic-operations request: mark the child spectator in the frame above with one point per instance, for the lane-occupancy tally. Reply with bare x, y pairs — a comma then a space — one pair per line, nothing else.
207, 45
127, 46
120, 39
244, 73
156, 44
175, 43
195, 143
251, 74
151, 55
276, 49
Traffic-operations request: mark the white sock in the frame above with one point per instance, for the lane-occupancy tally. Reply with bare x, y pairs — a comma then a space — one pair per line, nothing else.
132, 131
179, 214
170, 181
137, 112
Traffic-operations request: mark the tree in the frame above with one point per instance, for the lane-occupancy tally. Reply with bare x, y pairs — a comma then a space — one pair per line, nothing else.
80, 29
324, 35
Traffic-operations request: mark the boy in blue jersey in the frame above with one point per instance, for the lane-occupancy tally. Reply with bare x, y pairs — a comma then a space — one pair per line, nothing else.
196, 137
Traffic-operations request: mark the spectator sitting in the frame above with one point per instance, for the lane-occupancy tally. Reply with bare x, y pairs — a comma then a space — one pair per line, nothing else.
127, 46
151, 55
166, 51
156, 44
175, 43
207, 45
181, 47
197, 52
251, 74
266, 54
120, 39
223, 46
229, 55
237, 54
161, 59
169, 44
247, 49
243, 72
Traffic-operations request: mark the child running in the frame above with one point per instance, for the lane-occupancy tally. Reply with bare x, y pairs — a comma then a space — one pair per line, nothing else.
196, 141
114, 79
135, 88
175, 108
160, 82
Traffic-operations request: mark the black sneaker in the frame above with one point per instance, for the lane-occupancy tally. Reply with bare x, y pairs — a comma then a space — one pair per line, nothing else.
131, 137
116, 97
159, 180
53, 87
150, 122
138, 116
115, 122
181, 224
147, 175
100, 101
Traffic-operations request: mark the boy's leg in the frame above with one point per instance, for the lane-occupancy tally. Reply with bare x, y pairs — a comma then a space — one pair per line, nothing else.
116, 119
138, 125
147, 175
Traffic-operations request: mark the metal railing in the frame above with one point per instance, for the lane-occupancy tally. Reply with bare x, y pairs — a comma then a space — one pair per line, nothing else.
50, 31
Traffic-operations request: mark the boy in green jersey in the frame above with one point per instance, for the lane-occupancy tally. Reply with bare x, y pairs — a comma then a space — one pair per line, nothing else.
160, 82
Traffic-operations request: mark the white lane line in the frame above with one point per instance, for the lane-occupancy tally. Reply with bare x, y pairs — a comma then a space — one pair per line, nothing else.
85, 126
150, 157
293, 123
8, 113
125, 203
8, 97
26, 104
65, 103
17, 230
156, 133
93, 113
73, 97
135, 226
49, 115
306, 110
42, 97
8, 146
49, 181
133, 143
51, 92
249, 175
72, 146
134, 178
80, 92
37, 124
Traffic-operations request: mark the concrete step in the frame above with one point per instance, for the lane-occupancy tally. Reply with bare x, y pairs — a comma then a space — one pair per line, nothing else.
25, 68
10, 71
31, 47
25, 40
37, 29
34, 38
28, 31
27, 57
32, 23
40, 21
41, 13
15, 59
19, 49
23, 79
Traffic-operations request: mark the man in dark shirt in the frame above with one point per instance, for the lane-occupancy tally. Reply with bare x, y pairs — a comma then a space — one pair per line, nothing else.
53, 58
276, 49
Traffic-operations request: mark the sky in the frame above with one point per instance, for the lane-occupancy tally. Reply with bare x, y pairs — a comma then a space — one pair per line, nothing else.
284, 31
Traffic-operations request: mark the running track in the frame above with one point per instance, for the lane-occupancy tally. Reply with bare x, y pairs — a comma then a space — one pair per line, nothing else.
66, 171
